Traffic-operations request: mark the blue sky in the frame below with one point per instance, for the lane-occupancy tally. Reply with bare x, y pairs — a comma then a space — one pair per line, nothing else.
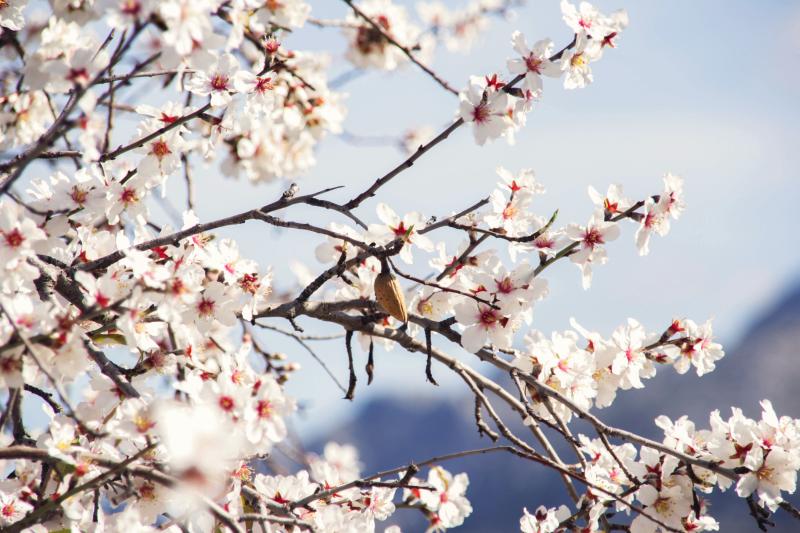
706, 90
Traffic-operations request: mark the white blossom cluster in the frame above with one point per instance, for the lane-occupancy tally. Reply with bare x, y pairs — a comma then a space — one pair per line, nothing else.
163, 408
495, 111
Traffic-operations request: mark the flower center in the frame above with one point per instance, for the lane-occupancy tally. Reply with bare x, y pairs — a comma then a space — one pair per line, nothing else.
534, 64
480, 113
663, 506
78, 75
78, 195
159, 148
264, 409
488, 317
263, 85
131, 7
578, 60
128, 196
592, 237
14, 238
505, 285
765, 473
219, 82
226, 403
205, 307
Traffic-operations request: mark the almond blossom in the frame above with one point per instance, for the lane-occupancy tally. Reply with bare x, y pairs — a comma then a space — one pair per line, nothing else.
533, 63
483, 322
485, 109
405, 228
368, 47
149, 336
216, 80
591, 239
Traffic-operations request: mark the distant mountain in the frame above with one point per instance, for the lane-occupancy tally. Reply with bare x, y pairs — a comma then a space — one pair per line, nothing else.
393, 430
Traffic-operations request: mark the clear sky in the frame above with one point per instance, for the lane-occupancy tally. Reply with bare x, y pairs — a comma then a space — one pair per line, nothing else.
707, 90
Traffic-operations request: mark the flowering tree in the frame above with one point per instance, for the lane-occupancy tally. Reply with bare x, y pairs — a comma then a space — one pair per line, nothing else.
179, 406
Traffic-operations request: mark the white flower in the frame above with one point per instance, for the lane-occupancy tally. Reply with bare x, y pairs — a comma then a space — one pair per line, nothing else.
216, 303
78, 70
368, 48
669, 505
406, 229
533, 62
485, 109
284, 489
18, 235
260, 90
448, 500
11, 14
771, 472
698, 350
627, 357
543, 520
482, 322
575, 64
12, 507
216, 80
287, 13
592, 237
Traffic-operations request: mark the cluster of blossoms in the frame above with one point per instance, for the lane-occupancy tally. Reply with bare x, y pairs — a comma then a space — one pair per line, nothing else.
673, 494
589, 370
458, 29
496, 109
181, 405
493, 301
269, 106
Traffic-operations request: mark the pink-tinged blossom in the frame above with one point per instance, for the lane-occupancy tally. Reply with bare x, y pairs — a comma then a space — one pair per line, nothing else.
543, 520
448, 499
431, 303
281, 490
669, 505
331, 250
286, 13
486, 109
124, 14
772, 472
534, 62
215, 303
627, 356
78, 70
673, 195
406, 229
216, 80
162, 155
575, 64
510, 203
587, 20
654, 219
368, 48
613, 202
483, 322
591, 239
12, 507
698, 350
127, 198
259, 89
583, 19
19, 236
265, 413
